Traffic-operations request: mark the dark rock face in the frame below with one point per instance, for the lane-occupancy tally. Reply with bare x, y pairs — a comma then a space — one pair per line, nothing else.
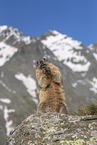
53, 128
19, 90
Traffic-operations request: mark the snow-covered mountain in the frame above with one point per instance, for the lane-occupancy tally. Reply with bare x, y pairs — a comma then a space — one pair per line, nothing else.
18, 85
7, 33
68, 51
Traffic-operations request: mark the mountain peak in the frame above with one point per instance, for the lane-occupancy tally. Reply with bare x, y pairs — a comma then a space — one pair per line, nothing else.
54, 32
8, 32
2, 28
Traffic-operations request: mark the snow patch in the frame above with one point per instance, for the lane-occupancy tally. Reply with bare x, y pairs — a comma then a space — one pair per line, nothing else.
74, 85
29, 83
94, 85
5, 100
34, 64
6, 52
8, 124
2, 74
91, 47
2, 28
67, 50
87, 51
26, 39
78, 81
83, 74
95, 56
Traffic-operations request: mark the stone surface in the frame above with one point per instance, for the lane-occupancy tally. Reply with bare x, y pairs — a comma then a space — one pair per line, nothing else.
53, 128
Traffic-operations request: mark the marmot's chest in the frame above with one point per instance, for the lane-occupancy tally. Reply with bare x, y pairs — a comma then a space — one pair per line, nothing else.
52, 92
53, 87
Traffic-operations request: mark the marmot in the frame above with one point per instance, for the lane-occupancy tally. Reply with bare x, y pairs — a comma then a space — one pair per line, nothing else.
51, 98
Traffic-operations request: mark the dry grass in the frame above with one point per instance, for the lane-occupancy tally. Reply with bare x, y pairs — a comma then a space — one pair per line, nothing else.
91, 109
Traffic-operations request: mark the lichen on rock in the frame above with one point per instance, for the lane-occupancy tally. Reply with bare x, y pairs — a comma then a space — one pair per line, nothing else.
55, 128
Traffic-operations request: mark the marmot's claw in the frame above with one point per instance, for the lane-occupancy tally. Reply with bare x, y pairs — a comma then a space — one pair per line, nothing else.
41, 64
46, 70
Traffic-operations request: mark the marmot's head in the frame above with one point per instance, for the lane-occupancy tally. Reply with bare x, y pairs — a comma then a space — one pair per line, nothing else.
42, 63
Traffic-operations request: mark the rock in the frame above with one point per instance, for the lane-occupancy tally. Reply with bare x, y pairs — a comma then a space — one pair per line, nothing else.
53, 128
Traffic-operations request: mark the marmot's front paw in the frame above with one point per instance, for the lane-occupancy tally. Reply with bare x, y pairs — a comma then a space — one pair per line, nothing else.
41, 63
46, 70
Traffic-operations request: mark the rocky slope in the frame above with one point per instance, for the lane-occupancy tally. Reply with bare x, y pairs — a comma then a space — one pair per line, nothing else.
18, 86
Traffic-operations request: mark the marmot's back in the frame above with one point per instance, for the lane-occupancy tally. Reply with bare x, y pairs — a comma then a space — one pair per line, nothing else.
51, 98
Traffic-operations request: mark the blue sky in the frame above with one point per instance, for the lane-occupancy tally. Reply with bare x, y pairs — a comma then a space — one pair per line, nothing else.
75, 18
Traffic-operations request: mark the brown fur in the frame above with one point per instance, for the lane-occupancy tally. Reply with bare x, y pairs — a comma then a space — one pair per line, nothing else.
51, 98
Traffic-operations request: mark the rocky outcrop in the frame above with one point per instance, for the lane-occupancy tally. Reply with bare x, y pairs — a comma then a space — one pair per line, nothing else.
53, 128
